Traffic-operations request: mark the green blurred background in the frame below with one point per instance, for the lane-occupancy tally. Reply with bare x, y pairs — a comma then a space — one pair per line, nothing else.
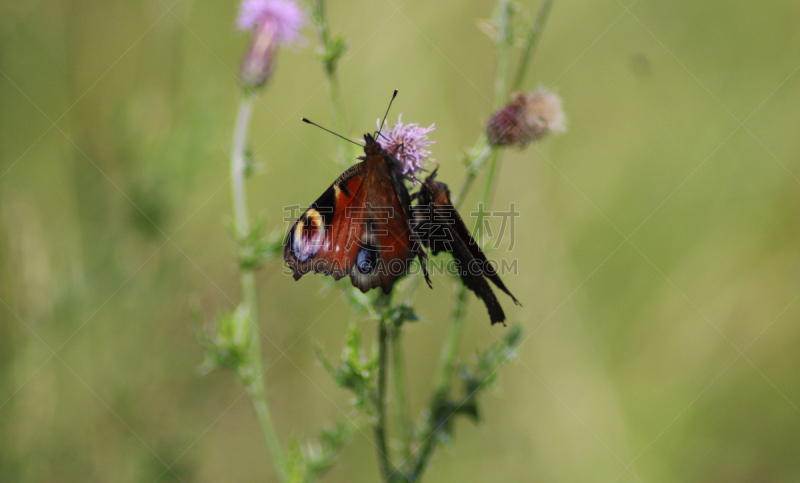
658, 244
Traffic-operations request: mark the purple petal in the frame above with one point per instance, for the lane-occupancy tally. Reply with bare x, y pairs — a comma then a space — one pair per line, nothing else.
408, 143
286, 15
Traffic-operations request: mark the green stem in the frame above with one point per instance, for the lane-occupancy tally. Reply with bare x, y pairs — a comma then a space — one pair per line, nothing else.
488, 190
475, 159
258, 396
380, 404
256, 385
483, 150
400, 391
330, 62
533, 41
441, 388
505, 38
337, 116
238, 165
482, 153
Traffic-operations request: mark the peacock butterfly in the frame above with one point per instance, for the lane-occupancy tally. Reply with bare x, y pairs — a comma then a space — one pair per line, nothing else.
440, 227
359, 226
364, 226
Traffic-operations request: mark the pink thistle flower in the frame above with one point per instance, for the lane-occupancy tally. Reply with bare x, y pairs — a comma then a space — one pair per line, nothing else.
274, 23
407, 143
527, 118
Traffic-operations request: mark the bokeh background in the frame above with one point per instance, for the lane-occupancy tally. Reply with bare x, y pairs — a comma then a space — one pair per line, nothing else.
658, 255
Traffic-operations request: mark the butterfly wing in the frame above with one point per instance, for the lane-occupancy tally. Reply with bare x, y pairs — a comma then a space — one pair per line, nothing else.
318, 241
388, 243
358, 227
441, 228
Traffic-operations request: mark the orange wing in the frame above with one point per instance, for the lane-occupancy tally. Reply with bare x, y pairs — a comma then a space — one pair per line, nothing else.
358, 227
318, 240
388, 244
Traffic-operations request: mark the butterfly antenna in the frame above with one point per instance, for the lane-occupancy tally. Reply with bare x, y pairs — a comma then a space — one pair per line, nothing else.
328, 130
387, 113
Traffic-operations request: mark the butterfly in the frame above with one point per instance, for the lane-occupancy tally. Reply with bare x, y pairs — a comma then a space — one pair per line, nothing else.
440, 227
359, 226
364, 226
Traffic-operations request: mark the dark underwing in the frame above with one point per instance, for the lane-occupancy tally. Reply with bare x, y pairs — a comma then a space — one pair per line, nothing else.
440, 228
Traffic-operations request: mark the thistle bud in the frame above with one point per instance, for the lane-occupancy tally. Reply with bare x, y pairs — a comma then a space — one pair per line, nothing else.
274, 23
527, 118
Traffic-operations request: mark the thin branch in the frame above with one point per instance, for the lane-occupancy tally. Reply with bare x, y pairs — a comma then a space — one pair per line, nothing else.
256, 385
482, 151
533, 41
380, 404
504, 40
331, 51
475, 159
404, 421
441, 390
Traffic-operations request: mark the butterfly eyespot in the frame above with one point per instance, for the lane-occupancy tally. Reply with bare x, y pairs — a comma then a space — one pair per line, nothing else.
309, 236
366, 259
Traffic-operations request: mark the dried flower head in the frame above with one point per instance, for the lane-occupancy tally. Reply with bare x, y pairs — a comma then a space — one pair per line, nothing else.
274, 23
407, 143
527, 118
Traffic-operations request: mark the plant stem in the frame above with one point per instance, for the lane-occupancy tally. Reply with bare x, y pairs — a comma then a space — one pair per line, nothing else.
475, 159
337, 116
505, 39
238, 165
257, 391
256, 385
441, 388
400, 390
501, 94
533, 41
442, 382
330, 62
486, 198
481, 152
380, 403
